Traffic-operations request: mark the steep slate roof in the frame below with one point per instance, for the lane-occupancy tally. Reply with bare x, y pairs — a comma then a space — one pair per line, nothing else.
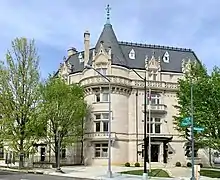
120, 53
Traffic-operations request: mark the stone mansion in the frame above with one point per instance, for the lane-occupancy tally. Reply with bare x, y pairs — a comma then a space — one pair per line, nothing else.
116, 59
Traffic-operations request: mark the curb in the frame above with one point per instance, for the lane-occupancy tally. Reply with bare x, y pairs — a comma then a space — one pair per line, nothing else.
24, 171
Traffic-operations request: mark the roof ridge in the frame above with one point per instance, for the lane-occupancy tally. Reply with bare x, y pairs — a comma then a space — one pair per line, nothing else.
155, 46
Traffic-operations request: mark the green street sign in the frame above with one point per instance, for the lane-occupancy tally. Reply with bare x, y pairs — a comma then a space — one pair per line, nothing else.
198, 129
186, 122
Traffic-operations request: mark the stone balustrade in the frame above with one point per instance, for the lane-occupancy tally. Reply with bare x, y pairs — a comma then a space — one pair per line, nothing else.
122, 81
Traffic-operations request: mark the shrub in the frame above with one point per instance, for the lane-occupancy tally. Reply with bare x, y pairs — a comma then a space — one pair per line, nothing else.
189, 164
178, 164
137, 164
127, 164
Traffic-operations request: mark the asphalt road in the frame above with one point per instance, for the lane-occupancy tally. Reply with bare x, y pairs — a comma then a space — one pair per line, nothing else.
6, 175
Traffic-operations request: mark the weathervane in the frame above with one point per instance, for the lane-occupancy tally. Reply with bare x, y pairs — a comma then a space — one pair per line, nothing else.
108, 14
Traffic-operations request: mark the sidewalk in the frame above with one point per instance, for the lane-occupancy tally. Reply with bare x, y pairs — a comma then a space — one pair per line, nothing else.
100, 173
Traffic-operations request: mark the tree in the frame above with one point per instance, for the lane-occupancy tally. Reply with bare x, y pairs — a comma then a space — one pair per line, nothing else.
63, 109
19, 87
206, 104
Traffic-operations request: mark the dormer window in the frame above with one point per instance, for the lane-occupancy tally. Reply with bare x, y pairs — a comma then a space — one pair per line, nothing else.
166, 57
80, 58
132, 54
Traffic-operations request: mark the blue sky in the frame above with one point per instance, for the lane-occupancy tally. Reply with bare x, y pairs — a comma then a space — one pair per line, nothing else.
59, 24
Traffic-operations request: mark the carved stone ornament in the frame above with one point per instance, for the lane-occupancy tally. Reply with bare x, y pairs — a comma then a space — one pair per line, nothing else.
102, 57
154, 64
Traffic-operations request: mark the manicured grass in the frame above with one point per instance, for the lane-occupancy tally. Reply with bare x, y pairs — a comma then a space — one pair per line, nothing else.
210, 173
154, 173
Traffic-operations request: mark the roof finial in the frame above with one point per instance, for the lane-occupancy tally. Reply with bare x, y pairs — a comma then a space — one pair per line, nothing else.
108, 14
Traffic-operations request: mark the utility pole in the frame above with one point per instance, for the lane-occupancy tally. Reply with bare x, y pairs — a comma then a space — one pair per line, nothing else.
192, 131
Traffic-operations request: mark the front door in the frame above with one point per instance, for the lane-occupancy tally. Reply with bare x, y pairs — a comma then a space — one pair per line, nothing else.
42, 153
155, 152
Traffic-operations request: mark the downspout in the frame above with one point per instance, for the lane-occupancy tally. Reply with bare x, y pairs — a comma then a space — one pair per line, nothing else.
136, 112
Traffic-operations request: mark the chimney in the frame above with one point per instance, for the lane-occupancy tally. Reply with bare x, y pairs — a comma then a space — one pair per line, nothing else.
71, 51
86, 46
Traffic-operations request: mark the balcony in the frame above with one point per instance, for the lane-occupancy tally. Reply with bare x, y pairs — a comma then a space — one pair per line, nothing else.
99, 136
156, 108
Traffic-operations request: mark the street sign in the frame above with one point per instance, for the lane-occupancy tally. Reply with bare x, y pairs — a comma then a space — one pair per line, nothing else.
198, 129
186, 122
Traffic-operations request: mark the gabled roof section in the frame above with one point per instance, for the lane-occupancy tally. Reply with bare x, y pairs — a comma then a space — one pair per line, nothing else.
109, 39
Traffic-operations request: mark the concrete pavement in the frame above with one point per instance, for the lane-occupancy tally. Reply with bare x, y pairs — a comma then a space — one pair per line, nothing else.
6, 175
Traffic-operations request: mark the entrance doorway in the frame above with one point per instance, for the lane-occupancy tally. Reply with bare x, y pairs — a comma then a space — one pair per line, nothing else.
155, 152
42, 153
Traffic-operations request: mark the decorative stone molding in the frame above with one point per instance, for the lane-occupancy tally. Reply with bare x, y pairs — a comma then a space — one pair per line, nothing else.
96, 81
65, 69
102, 57
153, 63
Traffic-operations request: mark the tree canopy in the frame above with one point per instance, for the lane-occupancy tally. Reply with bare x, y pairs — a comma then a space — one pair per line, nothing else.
19, 87
63, 110
206, 103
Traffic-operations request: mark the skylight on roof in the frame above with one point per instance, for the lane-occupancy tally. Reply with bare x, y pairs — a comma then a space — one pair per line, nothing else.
166, 57
132, 54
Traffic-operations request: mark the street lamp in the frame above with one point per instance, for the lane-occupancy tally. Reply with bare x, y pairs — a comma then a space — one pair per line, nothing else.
58, 149
109, 123
145, 174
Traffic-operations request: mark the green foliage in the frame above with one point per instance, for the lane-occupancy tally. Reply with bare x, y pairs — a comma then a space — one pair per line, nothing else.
137, 164
127, 164
63, 109
206, 104
19, 86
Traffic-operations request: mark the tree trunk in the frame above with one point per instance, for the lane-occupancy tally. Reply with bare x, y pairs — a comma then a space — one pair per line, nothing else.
21, 154
56, 154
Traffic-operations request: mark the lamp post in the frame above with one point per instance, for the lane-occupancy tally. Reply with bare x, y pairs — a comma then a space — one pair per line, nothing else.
109, 123
58, 149
145, 174
192, 130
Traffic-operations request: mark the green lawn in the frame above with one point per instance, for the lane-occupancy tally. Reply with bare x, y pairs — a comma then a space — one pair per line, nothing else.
154, 173
210, 173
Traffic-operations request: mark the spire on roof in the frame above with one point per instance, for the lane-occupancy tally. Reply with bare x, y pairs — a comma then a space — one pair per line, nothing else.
108, 14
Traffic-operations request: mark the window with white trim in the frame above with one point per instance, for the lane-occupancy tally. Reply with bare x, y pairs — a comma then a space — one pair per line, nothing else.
102, 97
103, 71
101, 122
132, 54
155, 125
101, 150
155, 99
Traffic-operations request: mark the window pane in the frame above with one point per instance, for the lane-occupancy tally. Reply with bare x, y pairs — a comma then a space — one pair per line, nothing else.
105, 126
97, 97
157, 128
97, 153
104, 145
157, 119
97, 145
97, 116
97, 126
105, 97
105, 116
105, 152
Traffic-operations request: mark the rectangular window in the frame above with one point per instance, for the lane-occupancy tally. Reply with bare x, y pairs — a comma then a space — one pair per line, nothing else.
98, 99
105, 97
157, 128
97, 116
105, 116
151, 128
101, 150
105, 126
97, 127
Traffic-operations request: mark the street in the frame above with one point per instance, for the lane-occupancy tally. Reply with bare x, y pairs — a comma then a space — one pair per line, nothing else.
6, 175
